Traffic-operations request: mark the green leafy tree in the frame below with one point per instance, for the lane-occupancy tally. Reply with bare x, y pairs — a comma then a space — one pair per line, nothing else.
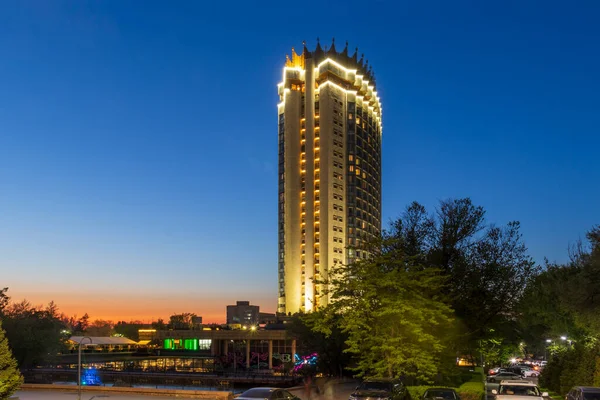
10, 377
392, 309
487, 267
4, 299
564, 299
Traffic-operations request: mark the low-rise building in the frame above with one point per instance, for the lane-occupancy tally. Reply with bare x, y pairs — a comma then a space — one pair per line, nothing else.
243, 314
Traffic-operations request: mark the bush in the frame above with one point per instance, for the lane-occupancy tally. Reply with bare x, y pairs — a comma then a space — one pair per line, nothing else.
466, 391
417, 392
577, 366
471, 390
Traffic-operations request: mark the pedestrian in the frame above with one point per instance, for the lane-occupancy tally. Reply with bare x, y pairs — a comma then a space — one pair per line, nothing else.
307, 387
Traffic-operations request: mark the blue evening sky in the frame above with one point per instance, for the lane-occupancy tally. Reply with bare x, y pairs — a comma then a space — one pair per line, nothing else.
138, 138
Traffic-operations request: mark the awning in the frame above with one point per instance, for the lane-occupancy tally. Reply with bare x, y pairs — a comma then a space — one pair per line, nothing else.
103, 340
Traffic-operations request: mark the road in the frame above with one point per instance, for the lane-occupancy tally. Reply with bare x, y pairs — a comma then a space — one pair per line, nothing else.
58, 395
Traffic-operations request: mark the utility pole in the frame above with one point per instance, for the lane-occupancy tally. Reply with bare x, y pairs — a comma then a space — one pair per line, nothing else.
79, 365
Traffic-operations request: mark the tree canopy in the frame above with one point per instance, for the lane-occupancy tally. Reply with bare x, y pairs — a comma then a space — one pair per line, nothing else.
10, 377
392, 309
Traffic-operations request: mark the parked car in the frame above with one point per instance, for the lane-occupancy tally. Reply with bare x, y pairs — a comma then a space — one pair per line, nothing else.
267, 393
503, 376
494, 371
390, 389
583, 393
518, 390
530, 373
440, 394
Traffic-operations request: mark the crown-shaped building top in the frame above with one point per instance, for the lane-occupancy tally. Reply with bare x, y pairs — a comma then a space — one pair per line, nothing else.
344, 58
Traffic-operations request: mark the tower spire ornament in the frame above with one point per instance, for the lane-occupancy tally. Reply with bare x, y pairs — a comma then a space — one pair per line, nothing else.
345, 51
332, 52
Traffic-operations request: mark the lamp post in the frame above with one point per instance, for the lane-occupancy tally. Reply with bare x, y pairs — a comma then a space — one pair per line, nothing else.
548, 341
253, 330
79, 365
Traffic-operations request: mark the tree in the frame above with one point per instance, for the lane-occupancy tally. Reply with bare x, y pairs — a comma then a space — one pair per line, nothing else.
486, 266
181, 321
100, 327
130, 329
159, 325
4, 299
564, 299
10, 377
330, 345
82, 324
392, 309
34, 333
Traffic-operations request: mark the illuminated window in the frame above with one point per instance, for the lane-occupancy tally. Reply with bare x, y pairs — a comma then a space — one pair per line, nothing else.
204, 344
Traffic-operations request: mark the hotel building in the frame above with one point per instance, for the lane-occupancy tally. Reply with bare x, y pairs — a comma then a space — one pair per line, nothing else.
329, 170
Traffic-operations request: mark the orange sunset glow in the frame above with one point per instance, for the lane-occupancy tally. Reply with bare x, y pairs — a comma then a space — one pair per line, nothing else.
140, 307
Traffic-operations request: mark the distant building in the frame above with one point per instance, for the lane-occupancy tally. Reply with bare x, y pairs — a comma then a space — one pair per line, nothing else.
267, 318
243, 313
197, 322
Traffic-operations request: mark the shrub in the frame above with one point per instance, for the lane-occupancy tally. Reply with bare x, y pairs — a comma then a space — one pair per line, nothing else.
416, 392
471, 390
577, 366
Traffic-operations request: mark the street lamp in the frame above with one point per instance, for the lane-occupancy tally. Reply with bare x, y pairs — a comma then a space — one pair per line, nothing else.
563, 338
548, 340
79, 365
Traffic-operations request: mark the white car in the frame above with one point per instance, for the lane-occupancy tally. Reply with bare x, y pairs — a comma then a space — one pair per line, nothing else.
531, 373
518, 390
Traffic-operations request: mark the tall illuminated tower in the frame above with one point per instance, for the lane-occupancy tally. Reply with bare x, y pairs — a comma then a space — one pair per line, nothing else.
329, 170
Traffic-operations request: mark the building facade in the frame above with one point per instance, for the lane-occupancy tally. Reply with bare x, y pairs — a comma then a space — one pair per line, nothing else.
243, 314
329, 136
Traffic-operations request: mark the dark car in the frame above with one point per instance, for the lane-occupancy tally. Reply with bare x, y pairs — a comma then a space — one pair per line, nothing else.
267, 393
382, 389
440, 394
502, 376
583, 393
